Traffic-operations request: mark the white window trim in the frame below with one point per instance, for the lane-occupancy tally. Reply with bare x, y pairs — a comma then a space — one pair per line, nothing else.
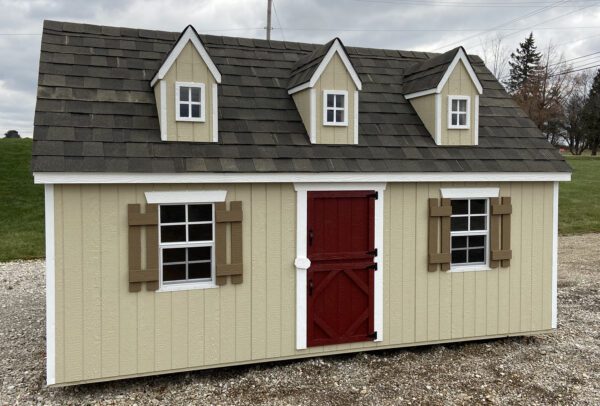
474, 267
325, 108
201, 86
467, 126
302, 263
50, 287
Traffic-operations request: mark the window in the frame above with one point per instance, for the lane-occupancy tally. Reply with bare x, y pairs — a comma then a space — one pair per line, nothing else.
458, 112
186, 244
189, 99
335, 107
469, 232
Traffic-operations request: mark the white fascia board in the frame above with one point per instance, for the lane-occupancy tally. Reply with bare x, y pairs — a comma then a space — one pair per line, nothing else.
312, 135
437, 136
419, 94
287, 177
460, 56
555, 256
50, 287
186, 196
356, 117
215, 113
470, 193
188, 35
163, 110
299, 88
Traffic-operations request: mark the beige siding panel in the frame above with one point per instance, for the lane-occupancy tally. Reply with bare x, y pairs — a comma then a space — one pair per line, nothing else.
288, 271
536, 265
432, 279
243, 291
528, 212
459, 84
195, 327
504, 281
547, 257
212, 332
408, 262
457, 307
258, 278
59, 282
179, 330
393, 245
302, 101
425, 108
515, 263
274, 270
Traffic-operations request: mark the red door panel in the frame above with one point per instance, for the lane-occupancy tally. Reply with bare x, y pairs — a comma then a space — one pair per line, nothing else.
340, 278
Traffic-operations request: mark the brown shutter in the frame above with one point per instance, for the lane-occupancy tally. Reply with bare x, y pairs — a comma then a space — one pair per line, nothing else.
233, 216
136, 219
442, 238
501, 252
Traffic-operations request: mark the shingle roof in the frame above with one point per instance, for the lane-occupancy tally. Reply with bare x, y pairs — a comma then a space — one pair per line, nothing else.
96, 112
427, 74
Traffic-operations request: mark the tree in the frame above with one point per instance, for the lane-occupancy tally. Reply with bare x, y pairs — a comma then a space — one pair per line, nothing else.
591, 115
576, 136
524, 66
495, 55
12, 134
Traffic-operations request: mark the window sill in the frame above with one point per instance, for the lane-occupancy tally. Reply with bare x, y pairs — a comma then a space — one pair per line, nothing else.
475, 268
335, 124
193, 120
460, 128
187, 286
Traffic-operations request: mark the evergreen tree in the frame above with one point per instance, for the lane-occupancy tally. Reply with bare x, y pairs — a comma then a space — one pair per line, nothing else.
591, 115
524, 66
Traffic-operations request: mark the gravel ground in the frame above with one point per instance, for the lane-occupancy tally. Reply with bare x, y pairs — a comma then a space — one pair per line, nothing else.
558, 368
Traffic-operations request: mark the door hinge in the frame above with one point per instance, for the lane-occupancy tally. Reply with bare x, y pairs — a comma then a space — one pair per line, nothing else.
372, 266
373, 252
373, 335
374, 195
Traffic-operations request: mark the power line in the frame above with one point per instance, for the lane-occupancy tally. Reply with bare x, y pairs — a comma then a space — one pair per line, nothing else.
466, 4
574, 59
333, 29
278, 22
575, 70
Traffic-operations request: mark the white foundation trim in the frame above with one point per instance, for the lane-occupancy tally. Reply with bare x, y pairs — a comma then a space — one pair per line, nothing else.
163, 110
302, 263
356, 117
215, 113
313, 116
470, 193
286, 177
555, 256
50, 287
186, 196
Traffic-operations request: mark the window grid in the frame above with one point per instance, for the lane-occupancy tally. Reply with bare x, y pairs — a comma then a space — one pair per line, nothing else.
186, 245
334, 107
185, 98
469, 232
458, 112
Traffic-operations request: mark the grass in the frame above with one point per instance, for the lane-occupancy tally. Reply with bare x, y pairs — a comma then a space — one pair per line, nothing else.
579, 203
21, 203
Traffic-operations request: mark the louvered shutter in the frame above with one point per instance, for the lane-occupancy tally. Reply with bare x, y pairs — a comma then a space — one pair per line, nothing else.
149, 220
234, 217
501, 253
439, 234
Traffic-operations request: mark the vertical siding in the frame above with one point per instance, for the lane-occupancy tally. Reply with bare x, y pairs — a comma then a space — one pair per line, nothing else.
105, 331
459, 84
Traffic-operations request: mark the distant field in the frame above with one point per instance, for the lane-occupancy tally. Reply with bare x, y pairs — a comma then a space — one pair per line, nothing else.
22, 202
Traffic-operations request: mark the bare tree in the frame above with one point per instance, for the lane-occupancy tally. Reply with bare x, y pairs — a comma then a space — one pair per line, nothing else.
495, 55
576, 131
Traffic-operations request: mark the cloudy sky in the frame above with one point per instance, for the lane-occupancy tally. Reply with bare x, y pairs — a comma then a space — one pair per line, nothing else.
573, 26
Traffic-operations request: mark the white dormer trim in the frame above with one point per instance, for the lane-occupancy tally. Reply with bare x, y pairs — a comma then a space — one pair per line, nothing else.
460, 56
189, 35
336, 47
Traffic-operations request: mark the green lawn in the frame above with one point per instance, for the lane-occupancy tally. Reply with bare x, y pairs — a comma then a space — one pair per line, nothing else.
579, 204
22, 202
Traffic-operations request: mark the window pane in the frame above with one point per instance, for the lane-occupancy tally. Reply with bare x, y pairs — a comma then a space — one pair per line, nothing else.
454, 119
458, 223
462, 105
173, 272
199, 270
199, 212
199, 254
195, 94
330, 116
462, 119
478, 223
460, 206
459, 257
477, 206
459, 242
173, 255
184, 110
200, 232
477, 255
477, 241
172, 214
454, 105
339, 100
339, 116
330, 98
172, 234
184, 93
196, 110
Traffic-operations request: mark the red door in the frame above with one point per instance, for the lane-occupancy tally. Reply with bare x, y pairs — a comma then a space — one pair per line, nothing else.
341, 248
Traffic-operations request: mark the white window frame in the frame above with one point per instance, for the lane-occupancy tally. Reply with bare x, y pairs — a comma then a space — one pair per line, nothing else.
451, 113
484, 266
335, 108
202, 102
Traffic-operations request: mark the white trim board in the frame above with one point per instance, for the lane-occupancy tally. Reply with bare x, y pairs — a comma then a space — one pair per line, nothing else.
336, 47
287, 177
186, 196
50, 286
302, 263
189, 34
470, 193
356, 117
215, 112
555, 256
163, 110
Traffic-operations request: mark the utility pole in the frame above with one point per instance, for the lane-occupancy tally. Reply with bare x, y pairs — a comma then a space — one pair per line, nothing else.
269, 27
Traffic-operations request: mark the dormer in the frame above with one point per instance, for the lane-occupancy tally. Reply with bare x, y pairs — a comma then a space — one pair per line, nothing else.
325, 86
444, 91
186, 92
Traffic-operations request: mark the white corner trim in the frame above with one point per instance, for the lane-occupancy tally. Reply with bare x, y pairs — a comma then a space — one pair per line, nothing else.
476, 121
50, 286
437, 137
302, 263
419, 94
215, 112
356, 117
467, 126
188, 35
292, 177
325, 107
470, 193
313, 116
555, 256
460, 56
186, 196
336, 47
198, 85
163, 110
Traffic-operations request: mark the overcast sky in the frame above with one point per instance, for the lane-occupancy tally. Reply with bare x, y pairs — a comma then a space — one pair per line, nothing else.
425, 25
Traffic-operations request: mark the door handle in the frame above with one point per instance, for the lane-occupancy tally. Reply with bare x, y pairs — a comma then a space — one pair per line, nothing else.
310, 237
310, 287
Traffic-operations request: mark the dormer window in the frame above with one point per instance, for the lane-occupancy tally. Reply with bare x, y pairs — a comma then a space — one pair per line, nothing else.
335, 106
458, 112
190, 101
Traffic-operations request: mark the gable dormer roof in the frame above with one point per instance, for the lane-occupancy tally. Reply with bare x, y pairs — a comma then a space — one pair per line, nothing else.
308, 69
189, 34
431, 75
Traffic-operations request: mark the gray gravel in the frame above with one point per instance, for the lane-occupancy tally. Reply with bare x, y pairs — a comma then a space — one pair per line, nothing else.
558, 368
